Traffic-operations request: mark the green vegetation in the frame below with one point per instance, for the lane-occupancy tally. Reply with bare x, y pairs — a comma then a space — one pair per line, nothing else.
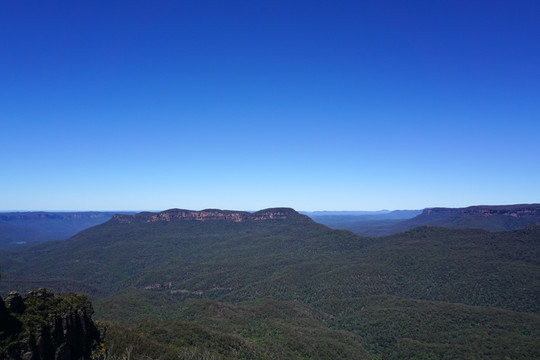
297, 289
404, 328
384, 326
265, 329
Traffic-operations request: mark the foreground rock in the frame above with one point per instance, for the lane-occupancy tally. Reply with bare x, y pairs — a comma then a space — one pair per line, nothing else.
41, 325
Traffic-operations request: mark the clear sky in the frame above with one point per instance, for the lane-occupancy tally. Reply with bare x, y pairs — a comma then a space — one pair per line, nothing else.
316, 105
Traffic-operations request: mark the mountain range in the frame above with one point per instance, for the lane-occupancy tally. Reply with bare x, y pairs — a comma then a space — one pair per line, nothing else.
276, 284
21, 228
491, 218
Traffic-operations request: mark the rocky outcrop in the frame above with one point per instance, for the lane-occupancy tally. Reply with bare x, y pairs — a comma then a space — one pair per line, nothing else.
211, 215
43, 326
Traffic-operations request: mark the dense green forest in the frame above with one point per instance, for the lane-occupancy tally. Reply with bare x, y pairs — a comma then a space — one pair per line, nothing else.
293, 288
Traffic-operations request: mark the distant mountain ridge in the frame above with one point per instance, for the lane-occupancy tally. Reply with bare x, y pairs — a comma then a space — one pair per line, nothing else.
19, 228
519, 210
211, 215
34, 215
344, 212
486, 217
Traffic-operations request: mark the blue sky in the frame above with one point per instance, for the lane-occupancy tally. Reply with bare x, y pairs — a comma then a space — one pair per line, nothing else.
338, 105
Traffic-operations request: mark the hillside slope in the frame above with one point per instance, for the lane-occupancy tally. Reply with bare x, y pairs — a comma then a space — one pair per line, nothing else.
287, 257
157, 268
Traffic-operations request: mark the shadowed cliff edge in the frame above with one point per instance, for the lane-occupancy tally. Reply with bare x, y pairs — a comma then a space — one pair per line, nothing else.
42, 325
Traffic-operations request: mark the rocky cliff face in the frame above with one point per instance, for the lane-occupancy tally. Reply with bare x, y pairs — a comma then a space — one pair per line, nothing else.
526, 210
212, 215
43, 326
491, 218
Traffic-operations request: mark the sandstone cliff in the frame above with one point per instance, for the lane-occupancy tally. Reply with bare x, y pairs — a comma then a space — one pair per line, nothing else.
491, 218
212, 215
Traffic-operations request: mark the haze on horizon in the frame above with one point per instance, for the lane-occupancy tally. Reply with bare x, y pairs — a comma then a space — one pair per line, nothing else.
245, 106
